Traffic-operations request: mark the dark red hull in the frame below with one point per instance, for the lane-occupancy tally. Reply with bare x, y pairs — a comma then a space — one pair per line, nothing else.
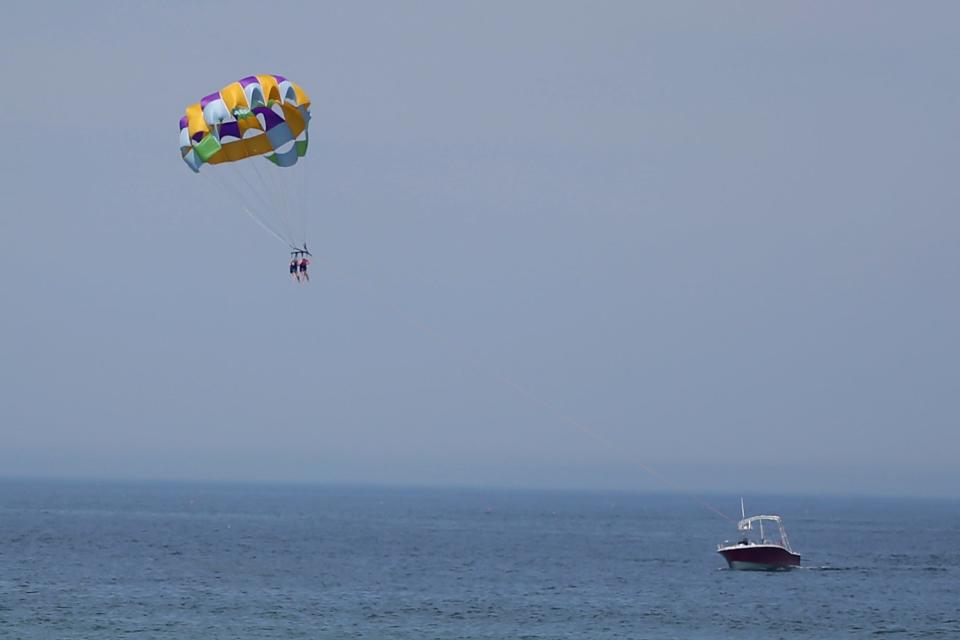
760, 557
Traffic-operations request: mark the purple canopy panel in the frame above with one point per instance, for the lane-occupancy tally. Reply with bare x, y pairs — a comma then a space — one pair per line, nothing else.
231, 129
270, 117
208, 99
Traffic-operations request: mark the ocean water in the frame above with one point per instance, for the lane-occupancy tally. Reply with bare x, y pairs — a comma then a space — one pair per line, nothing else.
153, 560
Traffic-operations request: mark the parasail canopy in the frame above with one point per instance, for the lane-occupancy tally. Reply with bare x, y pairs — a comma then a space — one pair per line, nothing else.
263, 115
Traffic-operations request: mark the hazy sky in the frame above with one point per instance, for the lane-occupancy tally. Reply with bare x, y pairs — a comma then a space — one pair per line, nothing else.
722, 236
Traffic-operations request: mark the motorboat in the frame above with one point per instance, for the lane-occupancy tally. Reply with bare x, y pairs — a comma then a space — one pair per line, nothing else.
759, 547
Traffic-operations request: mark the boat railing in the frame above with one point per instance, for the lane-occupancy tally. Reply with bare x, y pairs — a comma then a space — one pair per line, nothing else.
752, 532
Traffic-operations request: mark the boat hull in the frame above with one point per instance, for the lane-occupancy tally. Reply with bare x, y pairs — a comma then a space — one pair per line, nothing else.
759, 557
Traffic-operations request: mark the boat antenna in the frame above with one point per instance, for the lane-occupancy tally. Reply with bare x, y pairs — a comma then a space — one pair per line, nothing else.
743, 512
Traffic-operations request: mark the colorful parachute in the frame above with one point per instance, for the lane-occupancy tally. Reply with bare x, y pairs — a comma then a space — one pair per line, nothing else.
262, 116
259, 115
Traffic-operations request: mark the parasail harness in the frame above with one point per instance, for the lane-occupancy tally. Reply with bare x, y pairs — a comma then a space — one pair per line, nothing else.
299, 252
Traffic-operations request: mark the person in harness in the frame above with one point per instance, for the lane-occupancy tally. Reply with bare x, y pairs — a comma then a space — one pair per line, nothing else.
304, 263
